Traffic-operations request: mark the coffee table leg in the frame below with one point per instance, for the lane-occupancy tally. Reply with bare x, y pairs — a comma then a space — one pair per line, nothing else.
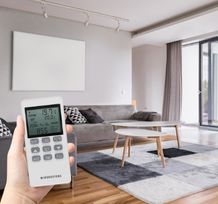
161, 151
129, 146
177, 135
124, 150
115, 143
158, 151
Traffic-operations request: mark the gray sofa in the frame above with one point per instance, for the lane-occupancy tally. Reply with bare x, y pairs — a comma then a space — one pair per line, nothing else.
4, 147
102, 133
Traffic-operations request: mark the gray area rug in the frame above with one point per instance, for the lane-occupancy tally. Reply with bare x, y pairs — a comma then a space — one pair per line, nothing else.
190, 169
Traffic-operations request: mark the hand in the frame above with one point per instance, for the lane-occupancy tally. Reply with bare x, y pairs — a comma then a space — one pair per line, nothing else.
17, 188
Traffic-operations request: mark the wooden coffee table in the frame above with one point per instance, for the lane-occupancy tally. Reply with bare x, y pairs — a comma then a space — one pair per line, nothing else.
131, 133
155, 125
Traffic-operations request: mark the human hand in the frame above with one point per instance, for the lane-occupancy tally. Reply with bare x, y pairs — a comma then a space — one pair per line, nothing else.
17, 189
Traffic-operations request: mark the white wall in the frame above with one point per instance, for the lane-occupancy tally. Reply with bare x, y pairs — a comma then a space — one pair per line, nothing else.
108, 72
149, 66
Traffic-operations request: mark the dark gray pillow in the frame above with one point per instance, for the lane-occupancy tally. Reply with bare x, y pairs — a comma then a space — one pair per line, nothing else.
141, 115
91, 116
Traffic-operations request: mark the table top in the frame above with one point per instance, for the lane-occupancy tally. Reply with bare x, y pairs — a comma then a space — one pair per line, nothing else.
147, 124
136, 132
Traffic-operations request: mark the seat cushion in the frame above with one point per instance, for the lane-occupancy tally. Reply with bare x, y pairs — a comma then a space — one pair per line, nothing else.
93, 132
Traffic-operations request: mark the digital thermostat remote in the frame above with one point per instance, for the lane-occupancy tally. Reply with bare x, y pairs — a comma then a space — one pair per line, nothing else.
46, 141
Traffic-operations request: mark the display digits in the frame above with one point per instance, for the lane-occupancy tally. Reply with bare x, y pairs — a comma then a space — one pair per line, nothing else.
41, 131
48, 113
43, 120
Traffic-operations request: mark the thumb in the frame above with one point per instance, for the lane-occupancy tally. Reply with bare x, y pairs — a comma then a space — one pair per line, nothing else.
17, 143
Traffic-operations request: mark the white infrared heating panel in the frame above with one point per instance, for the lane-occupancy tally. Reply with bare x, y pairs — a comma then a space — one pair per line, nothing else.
44, 63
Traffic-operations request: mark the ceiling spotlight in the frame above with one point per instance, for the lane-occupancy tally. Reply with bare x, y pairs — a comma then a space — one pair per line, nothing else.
118, 25
87, 20
44, 11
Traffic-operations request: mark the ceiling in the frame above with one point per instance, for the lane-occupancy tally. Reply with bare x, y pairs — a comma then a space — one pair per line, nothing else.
148, 19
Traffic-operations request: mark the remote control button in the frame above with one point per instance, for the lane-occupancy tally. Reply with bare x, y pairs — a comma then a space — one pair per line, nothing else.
45, 140
47, 157
35, 149
58, 147
36, 158
59, 156
46, 148
34, 141
57, 138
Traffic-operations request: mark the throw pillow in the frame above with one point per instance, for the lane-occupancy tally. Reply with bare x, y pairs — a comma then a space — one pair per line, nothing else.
74, 115
68, 121
11, 125
141, 115
92, 116
4, 130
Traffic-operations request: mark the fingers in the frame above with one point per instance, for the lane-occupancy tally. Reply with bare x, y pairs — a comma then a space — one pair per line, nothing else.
65, 116
17, 143
71, 147
71, 160
69, 129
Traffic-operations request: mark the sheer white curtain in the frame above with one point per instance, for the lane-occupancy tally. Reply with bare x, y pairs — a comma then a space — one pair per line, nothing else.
173, 82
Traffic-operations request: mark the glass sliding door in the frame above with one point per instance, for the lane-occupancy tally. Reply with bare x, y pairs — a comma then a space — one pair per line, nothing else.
190, 85
209, 83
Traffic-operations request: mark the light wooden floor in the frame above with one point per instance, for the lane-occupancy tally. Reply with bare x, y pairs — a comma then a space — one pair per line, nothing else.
89, 189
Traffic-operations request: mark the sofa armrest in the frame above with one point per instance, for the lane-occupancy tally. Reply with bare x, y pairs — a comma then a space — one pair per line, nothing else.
12, 126
146, 116
72, 139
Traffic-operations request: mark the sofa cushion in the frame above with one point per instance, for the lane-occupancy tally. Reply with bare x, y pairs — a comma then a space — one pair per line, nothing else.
74, 115
4, 130
91, 116
93, 132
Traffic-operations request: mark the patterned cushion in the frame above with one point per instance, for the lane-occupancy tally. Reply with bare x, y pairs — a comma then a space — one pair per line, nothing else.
4, 130
74, 115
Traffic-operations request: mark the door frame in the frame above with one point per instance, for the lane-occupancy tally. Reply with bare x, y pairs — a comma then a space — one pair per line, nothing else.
209, 41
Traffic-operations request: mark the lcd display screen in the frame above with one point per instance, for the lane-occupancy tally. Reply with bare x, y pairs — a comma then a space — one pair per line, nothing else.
43, 121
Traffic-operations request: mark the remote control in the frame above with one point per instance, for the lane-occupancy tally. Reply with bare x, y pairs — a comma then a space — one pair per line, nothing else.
46, 141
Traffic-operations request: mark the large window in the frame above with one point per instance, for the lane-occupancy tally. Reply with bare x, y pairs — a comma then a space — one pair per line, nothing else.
209, 83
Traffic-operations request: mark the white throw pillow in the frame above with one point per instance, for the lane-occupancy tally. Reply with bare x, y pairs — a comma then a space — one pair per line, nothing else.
4, 130
74, 115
